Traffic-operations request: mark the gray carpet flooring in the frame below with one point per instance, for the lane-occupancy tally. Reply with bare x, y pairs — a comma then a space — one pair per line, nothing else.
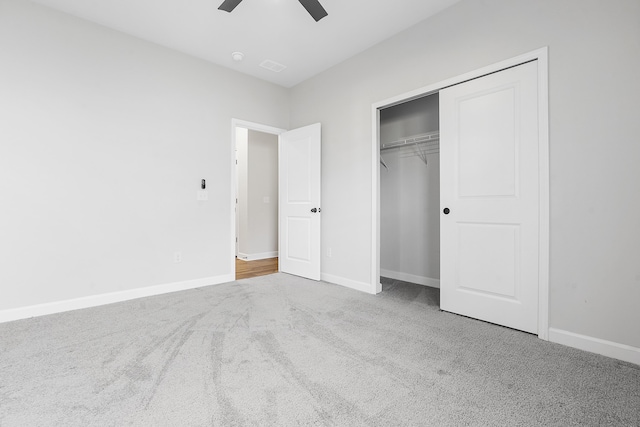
283, 351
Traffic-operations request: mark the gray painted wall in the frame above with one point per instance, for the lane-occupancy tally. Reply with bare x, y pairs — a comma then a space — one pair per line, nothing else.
104, 141
409, 118
594, 149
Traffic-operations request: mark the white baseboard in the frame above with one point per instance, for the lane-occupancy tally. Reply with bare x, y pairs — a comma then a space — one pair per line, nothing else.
411, 278
353, 284
596, 345
255, 257
109, 298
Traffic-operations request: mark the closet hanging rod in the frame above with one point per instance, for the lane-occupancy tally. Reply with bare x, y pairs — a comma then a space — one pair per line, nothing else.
413, 140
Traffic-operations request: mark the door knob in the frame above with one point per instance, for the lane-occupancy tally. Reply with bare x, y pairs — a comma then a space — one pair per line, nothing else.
446, 211
314, 210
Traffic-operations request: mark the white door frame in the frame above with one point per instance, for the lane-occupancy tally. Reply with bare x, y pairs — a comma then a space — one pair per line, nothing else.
235, 123
541, 55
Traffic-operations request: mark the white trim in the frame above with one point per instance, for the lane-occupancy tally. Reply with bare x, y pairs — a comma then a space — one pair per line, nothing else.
544, 194
255, 126
541, 55
348, 283
255, 257
612, 349
375, 286
252, 126
108, 298
411, 278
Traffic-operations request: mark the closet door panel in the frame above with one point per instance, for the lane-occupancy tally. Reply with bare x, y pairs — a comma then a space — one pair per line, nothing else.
489, 187
488, 130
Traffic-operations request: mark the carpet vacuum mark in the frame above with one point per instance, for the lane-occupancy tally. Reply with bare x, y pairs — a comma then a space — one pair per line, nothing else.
279, 350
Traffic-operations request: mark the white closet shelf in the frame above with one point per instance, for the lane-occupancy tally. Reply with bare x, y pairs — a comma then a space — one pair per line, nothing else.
413, 140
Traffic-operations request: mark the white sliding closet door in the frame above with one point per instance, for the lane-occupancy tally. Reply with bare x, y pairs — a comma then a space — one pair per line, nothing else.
490, 198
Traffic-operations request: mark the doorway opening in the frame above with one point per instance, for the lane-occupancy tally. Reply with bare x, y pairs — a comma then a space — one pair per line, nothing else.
255, 199
298, 193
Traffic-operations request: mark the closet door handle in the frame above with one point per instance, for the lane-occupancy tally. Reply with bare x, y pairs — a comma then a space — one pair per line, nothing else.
446, 211
314, 210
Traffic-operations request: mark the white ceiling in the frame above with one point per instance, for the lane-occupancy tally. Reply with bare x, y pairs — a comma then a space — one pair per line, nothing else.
278, 30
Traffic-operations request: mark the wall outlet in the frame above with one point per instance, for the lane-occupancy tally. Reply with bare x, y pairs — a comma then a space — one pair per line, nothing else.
329, 253
177, 256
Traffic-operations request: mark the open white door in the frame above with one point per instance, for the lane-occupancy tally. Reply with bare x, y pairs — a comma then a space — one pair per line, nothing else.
299, 247
489, 228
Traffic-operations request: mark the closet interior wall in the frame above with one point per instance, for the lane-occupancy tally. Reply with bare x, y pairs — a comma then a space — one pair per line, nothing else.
410, 195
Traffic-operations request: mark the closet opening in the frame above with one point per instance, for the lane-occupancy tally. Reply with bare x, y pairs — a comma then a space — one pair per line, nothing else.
410, 193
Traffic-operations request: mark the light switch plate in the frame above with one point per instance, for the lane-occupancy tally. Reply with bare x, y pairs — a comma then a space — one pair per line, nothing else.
203, 195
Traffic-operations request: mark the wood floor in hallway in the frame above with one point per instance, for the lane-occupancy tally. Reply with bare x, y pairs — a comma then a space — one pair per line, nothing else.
261, 267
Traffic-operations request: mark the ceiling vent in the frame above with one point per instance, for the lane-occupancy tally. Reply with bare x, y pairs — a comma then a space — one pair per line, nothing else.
272, 65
